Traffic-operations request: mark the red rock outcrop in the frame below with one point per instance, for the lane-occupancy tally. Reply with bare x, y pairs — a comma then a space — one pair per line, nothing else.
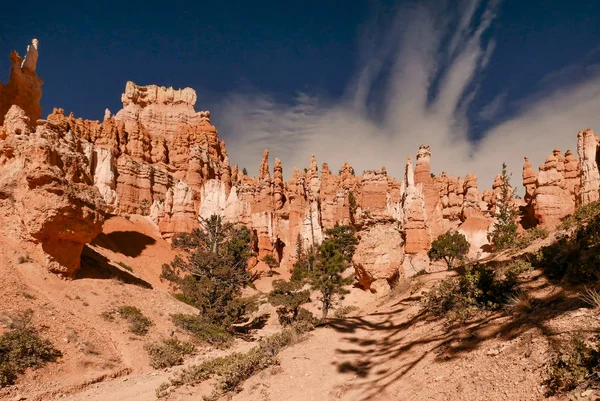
417, 235
571, 174
587, 148
46, 183
278, 184
471, 206
529, 179
431, 191
159, 156
552, 199
477, 229
379, 255
24, 87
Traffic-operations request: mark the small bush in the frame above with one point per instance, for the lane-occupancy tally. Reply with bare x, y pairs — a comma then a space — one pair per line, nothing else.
591, 297
481, 287
446, 299
451, 247
24, 259
518, 267
22, 348
532, 234
138, 323
234, 369
108, 316
519, 302
207, 332
271, 262
572, 366
344, 311
145, 207
305, 318
575, 256
170, 352
288, 296
126, 267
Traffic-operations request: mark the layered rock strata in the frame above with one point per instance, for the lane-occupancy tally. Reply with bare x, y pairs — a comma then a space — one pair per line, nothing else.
158, 156
45, 182
564, 182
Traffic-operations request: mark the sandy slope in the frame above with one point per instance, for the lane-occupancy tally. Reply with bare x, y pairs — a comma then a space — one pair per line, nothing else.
69, 311
396, 353
388, 351
391, 351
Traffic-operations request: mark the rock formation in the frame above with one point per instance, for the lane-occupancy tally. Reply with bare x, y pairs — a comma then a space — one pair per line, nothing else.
551, 199
46, 183
379, 255
415, 225
587, 148
159, 157
24, 87
431, 191
558, 188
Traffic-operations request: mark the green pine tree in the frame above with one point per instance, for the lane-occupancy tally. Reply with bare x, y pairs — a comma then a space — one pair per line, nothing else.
449, 247
326, 277
505, 228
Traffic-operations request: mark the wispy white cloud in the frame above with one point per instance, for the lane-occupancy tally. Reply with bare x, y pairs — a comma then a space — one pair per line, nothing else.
431, 59
491, 110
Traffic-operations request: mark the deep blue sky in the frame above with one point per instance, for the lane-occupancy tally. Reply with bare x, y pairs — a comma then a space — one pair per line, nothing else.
88, 50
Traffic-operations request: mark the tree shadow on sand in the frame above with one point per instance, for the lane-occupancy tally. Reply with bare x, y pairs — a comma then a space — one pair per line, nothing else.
381, 340
96, 266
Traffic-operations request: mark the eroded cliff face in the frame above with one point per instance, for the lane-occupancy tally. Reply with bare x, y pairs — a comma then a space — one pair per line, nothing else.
46, 188
587, 148
563, 183
159, 157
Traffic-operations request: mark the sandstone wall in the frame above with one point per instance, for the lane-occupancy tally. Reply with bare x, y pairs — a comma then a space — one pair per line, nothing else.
158, 156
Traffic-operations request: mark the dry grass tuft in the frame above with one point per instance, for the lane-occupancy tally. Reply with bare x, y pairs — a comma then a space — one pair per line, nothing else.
519, 302
591, 297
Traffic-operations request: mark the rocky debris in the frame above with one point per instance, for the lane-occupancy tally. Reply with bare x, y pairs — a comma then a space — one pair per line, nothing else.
24, 87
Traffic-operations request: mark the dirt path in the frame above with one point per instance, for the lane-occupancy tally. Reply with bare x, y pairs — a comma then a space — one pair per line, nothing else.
395, 353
